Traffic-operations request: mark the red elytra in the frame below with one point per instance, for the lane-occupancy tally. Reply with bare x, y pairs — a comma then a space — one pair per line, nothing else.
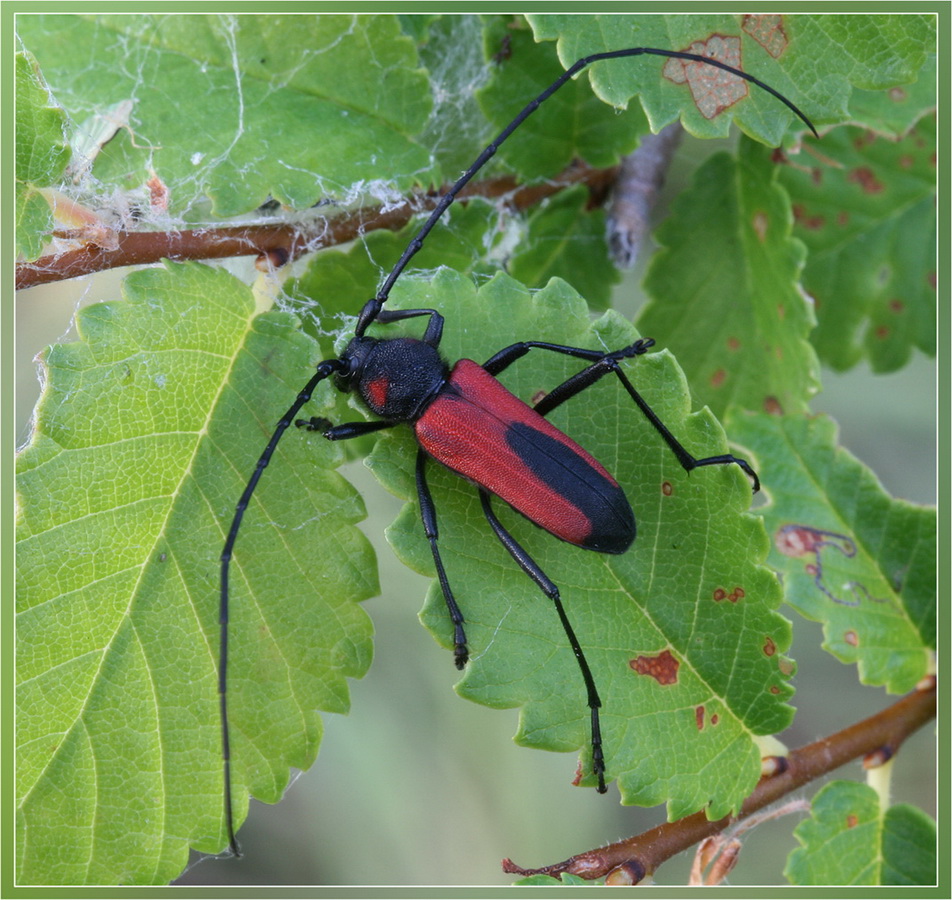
481, 431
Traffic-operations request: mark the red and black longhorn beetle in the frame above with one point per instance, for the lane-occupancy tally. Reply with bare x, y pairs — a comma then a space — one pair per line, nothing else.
464, 418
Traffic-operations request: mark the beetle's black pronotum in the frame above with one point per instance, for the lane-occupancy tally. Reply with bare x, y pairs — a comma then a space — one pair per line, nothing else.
465, 419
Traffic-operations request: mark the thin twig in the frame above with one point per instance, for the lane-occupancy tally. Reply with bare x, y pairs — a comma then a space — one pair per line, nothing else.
877, 738
283, 241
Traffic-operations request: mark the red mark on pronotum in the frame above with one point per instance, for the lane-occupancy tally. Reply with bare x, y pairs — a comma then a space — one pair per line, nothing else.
663, 667
713, 90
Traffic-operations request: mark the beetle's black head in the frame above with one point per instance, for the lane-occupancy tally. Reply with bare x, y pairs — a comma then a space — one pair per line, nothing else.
396, 377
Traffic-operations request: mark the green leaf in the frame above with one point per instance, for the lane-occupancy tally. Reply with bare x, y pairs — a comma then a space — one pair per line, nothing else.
724, 290
894, 111
852, 557
237, 109
42, 153
868, 52
690, 598
565, 241
147, 431
572, 123
865, 208
850, 839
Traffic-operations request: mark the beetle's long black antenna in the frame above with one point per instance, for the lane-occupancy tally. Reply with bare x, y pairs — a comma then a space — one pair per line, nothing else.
324, 370
372, 309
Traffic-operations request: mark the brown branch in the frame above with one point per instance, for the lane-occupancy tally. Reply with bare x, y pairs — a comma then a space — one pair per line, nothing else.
876, 738
283, 242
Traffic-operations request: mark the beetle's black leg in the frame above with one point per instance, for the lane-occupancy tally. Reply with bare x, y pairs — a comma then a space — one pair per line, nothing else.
428, 513
508, 355
372, 312
548, 587
602, 364
342, 432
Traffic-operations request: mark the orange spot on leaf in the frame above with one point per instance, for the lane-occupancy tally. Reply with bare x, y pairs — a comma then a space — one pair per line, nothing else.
699, 717
770, 648
667, 488
772, 406
717, 379
805, 220
733, 344
851, 821
851, 638
719, 594
663, 667
896, 305
866, 179
713, 90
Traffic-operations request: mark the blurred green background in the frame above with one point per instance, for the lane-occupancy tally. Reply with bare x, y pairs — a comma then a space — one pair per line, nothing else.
416, 786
